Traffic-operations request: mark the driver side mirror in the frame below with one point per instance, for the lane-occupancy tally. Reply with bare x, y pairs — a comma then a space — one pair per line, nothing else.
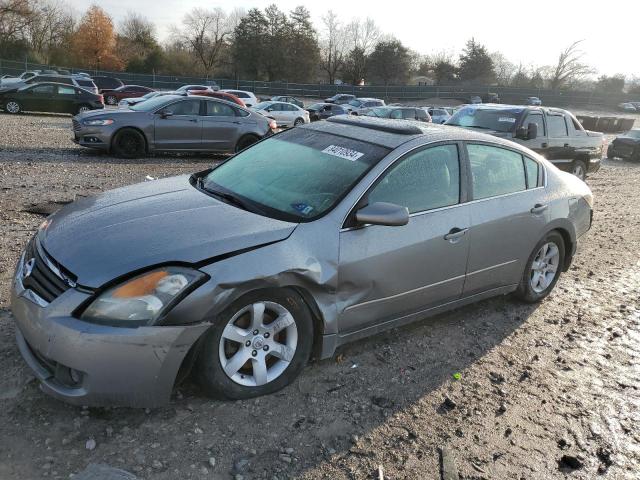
383, 213
529, 133
165, 114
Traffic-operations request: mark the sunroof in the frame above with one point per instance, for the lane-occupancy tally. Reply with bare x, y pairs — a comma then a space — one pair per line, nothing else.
400, 127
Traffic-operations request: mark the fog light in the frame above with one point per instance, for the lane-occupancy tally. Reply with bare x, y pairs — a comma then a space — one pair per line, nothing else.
76, 376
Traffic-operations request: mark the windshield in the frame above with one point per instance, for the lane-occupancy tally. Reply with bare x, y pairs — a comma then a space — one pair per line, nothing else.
151, 104
498, 120
633, 133
355, 103
316, 106
297, 175
262, 105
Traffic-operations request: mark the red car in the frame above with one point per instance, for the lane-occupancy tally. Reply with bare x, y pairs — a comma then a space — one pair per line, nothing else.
229, 97
112, 97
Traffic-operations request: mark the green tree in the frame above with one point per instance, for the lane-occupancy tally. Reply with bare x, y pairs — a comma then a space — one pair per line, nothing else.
390, 62
355, 66
475, 64
303, 51
274, 56
248, 47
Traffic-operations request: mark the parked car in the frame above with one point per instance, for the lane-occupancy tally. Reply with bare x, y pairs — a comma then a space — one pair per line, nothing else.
315, 237
402, 113
23, 77
107, 83
112, 97
37, 76
285, 114
534, 101
248, 98
438, 114
340, 99
358, 105
172, 123
127, 102
322, 111
626, 146
287, 99
49, 97
87, 83
554, 133
627, 107
191, 88
219, 94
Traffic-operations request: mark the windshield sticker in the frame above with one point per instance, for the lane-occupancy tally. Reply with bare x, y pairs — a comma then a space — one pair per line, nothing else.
303, 208
507, 119
343, 152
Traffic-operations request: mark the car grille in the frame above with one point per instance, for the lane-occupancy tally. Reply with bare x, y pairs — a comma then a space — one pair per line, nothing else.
43, 280
76, 125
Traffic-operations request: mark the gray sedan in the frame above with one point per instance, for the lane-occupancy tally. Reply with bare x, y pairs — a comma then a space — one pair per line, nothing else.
313, 238
172, 123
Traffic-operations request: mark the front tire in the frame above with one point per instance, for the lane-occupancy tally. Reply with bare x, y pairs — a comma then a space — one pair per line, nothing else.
543, 269
299, 121
579, 169
13, 107
257, 346
83, 108
111, 100
245, 142
128, 143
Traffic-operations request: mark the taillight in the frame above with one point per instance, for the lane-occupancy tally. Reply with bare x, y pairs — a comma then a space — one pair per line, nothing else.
101, 99
273, 125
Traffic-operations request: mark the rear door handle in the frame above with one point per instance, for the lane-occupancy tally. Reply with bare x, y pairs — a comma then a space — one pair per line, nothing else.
538, 208
566, 144
194, 120
455, 234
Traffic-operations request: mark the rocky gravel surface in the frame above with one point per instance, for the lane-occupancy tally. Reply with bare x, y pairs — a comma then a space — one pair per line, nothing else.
498, 390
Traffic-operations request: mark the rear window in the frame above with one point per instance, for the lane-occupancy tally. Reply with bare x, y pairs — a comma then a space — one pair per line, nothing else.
485, 119
297, 175
85, 83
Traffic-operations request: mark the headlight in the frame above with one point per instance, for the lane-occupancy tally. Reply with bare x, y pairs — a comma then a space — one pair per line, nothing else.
144, 298
94, 123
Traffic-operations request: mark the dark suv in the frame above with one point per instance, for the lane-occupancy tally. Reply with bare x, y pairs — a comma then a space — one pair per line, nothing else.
107, 83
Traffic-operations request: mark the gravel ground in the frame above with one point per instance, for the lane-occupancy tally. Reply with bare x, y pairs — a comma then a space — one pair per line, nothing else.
544, 391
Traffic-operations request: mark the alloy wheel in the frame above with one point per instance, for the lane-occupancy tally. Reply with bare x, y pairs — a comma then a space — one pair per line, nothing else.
578, 170
12, 107
83, 109
111, 100
129, 143
545, 267
258, 344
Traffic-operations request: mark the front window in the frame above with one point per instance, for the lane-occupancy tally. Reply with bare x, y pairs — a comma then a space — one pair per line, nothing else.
262, 105
297, 176
379, 112
422, 181
538, 120
557, 126
185, 107
486, 119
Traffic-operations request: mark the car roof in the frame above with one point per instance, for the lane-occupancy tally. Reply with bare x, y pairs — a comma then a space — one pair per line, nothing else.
392, 133
369, 99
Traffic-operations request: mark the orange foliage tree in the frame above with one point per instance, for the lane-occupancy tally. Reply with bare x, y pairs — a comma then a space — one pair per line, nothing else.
94, 41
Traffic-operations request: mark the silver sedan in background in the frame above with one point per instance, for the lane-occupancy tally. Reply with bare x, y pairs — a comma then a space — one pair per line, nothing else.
285, 114
172, 123
312, 238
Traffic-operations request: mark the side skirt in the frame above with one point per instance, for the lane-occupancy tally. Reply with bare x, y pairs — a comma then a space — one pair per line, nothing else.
331, 342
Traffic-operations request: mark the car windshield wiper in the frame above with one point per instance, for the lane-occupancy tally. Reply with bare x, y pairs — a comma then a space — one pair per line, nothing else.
230, 198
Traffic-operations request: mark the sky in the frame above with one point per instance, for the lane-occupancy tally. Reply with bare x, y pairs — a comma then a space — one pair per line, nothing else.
528, 32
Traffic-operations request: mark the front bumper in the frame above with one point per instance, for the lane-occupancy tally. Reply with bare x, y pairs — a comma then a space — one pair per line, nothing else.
594, 165
86, 364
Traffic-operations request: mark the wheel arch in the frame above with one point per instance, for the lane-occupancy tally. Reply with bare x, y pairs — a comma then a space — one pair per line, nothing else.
569, 245
146, 140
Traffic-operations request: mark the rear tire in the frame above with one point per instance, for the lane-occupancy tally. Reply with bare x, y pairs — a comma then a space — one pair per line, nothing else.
128, 143
579, 169
543, 268
245, 142
257, 346
13, 107
299, 121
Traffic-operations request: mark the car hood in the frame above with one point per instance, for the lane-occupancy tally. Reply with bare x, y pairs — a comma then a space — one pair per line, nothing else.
104, 237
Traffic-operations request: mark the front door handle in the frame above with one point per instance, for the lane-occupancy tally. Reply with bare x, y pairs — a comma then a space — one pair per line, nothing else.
194, 120
455, 234
545, 145
566, 145
538, 208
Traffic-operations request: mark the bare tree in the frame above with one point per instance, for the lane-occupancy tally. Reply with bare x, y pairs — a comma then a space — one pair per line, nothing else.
333, 45
569, 67
363, 35
207, 33
15, 16
503, 68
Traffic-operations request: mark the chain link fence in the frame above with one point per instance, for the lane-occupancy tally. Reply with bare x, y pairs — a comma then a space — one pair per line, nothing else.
404, 93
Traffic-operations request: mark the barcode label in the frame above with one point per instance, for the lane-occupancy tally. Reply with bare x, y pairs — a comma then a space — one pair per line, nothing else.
342, 152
